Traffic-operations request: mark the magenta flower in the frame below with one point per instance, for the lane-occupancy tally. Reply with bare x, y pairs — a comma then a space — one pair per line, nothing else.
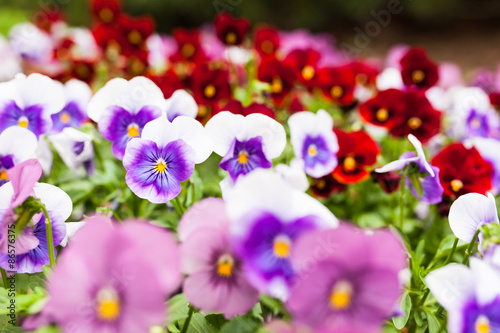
346, 278
123, 273
215, 282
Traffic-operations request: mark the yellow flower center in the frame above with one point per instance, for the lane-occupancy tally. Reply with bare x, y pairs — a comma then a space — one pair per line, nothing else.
476, 123
225, 265
349, 163
106, 15
382, 114
202, 111
242, 157
209, 91
187, 50
108, 305
231, 37
341, 295
456, 185
134, 37
312, 150
417, 76
65, 117
308, 72
282, 246
3, 175
276, 85
133, 130
267, 47
414, 123
321, 184
161, 165
336, 91
482, 325
23, 122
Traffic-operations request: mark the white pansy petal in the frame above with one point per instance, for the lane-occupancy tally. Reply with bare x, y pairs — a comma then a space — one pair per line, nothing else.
44, 155
20, 142
54, 199
181, 103
273, 133
294, 175
79, 92
105, 97
223, 128
38, 89
451, 285
194, 134
389, 78
142, 91
488, 281
6, 193
420, 153
396, 165
469, 211
227, 186
64, 142
160, 131
71, 229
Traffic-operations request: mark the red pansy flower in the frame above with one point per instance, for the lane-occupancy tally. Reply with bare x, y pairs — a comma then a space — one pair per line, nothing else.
388, 181
106, 11
495, 99
110, 39
278, 75
386, 109
418, 70
266, 40
136, 63
337, 84
188, 47
210, 85
168, 82
136, 30
325, 186
45, 19
462, 170
236, 107
230, 30
296, 105
364, 73
83, 70
357, 150
303, 63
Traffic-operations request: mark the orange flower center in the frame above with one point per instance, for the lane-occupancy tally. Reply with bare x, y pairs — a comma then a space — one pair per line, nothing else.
108, 305
337, 91
341, 295
456, 185
225, 265
23, 122
106, 15
267, 47
231, 37
133, 130
134, 37
209, 91
417, 76
282, 246
187, 50
414, 123
276, 85
65, 117
349, 163
382, 114
3, 175
308, 72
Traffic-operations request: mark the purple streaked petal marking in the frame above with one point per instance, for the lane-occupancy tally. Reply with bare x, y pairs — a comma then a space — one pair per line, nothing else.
31, 118
477, 124
70, 116
155, 174
244, 157
78, 147
120, 126
315, 150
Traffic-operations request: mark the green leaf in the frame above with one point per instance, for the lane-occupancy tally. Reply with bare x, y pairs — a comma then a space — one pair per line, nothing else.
432, 322
371, 220
245, 324
216, 320
405, 304
178, 306
199, 324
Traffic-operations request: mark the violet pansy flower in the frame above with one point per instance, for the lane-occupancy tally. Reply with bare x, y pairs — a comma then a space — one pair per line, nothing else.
471, 296
267, 215
74, 114
216, 282
122, 108
29, 102
75, 148
164, 156
432, 190
16, 145
246, 143
314, 142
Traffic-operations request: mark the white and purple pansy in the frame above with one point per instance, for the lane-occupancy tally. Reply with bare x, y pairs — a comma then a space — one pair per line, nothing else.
16, 145
164, 156
122, 108
246, 143
313, 141
74, 114
471, 296
75, 148
29, 102
181, 103
432, 190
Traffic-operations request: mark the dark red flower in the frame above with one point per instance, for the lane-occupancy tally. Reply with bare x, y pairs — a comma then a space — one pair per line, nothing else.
296, 105
45, 19
495, 99
136, 63
188, 47
230, 30
419, 118
236, 107
325, 186
62, 51
357, 150
337, 84
136, 29
303, 63
106, 11
83, 70
110, 39
388, 181
364, 73
266, 40
210, 85
168, 82
278, 75
462, 170
418, 70
385, 109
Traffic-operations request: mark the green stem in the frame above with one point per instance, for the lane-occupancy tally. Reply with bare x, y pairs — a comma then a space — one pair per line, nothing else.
427, 292
468, 252
452, 252
177, 208
4, 278
179, 203
50, 239
402, 199
188, 319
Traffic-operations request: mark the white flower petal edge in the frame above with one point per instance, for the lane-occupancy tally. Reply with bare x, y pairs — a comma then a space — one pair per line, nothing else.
64, 143
294, 174
79, 92
71, 230
265, 190
6, 193
420, 153
54, 199
396, 165
469, 212
181, 103
18, 141
273, 133
194, 134
161, 131
488, 280
223, 129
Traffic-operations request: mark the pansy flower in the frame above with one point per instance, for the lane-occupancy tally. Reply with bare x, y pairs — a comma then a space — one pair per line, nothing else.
136, 30
121, 109
266, 217
428, 175
357, 151
325, 186
216, 282
471, 296
16, 145
304, 64
418, 70
266, 40
74, 114
189, 47
359, 290
279, 75
314, 142
462, 170
245, 143
168, 82
29, 102
385, 109
489, 148
337, 84
181, 103
210, 85
230, 30
106, 11
236, 107
164, 156
75, 148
